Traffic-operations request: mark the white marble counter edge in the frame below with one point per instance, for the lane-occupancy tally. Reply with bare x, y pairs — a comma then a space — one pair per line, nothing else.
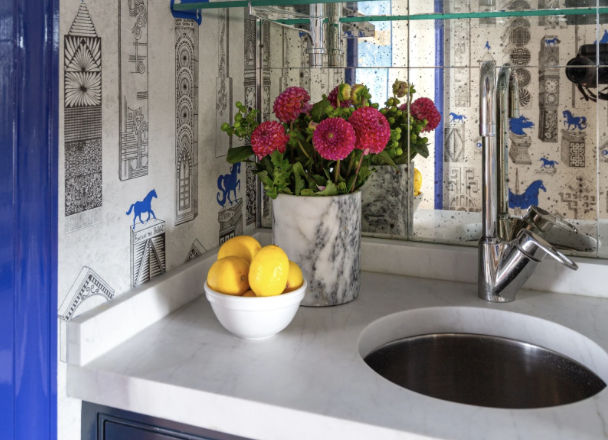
220, 411
95, 332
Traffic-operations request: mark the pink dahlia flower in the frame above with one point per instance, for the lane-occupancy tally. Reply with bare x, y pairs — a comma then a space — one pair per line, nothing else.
424, 108
268, 137
334, 139
291, 103
333, 99
372, 129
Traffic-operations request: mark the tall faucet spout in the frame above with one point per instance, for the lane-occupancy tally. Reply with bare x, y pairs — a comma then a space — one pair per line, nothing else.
487, 129
505, 262
507, 105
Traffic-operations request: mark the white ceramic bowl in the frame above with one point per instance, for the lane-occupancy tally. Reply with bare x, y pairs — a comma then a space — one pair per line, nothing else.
255, 318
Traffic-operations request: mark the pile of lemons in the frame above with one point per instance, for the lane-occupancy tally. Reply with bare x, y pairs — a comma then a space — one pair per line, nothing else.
245, 268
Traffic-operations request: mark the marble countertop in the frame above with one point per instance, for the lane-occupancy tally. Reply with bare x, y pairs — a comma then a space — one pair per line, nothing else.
310, 381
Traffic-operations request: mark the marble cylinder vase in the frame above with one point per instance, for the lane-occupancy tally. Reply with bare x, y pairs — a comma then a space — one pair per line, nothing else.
323, 236
385, 200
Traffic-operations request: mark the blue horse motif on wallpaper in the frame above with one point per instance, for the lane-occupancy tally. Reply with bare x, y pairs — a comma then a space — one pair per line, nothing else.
227, 183
552, 42
579, 122
457, 118
143, 207
518, 125
529, 197
548, 163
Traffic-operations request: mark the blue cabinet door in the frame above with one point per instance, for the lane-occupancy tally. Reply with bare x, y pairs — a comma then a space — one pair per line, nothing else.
105, 423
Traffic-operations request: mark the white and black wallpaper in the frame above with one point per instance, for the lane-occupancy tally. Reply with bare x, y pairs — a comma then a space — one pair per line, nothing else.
144, 185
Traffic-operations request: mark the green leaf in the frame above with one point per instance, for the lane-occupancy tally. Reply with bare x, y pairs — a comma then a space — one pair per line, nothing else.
271, 192
319, 180
330, 190
263, 176
299, 175
401, 160
307, 192
342, 189
277, 159
239, 154
320, 110
383, 158
423, 150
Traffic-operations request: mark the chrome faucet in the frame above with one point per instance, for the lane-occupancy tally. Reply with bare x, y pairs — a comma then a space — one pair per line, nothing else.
510, 248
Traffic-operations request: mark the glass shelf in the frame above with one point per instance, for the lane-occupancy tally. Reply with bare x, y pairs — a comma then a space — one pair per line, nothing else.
184, 7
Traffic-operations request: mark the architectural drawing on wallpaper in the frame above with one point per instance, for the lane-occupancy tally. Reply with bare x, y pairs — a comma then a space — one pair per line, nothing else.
230, 217
143, 207
463, 185
250, 193
186, 120
547, 166
147, 242
515, 39
487, 6
231, 221
548, 78
551, 21
305, 81
518, 5
88, 284
520, 141
528, 197
196, 250
579, 198
453, 143
249, 60
82, 123
133, 66
223, 84
266, 103
573, 148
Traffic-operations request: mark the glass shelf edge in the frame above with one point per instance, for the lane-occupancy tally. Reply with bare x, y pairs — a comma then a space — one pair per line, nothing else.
189, 7
456, 16
415, 17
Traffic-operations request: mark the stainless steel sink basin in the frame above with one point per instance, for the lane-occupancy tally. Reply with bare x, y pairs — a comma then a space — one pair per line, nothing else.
484, 371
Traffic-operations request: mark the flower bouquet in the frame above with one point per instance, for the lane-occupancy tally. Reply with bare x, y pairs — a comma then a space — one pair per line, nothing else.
315, 149
312, 162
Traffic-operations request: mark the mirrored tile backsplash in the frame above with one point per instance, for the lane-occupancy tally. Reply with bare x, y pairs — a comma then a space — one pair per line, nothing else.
558, 146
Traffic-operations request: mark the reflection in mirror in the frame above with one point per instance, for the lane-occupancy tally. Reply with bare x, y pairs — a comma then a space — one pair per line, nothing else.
557, 148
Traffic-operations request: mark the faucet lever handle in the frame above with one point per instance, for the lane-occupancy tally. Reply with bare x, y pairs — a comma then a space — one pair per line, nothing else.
544, 220
537, 248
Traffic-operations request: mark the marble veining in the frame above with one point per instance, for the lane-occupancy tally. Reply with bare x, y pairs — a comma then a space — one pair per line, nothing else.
310, 381
323, 236
384, 201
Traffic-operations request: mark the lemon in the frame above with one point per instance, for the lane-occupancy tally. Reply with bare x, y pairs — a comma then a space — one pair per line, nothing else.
269, 271
249, 293
295, 278
242, 246
417, 182
230, 275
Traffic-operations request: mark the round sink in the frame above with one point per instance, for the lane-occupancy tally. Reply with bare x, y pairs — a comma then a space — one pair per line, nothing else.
485, 357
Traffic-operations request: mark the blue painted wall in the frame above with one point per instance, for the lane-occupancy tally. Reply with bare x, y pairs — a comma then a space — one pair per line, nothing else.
439, 62
29, 84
